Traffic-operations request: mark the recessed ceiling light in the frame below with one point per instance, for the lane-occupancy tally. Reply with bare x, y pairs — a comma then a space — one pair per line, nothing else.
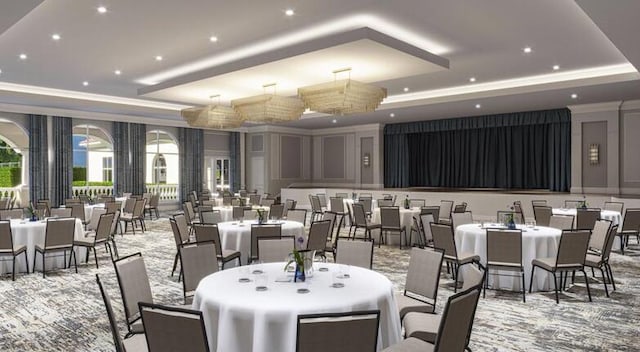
0, 71
527, 49
289, 12
55, 36
406, 89
23, 56
472, 79
392, 115
574, 96
158, 58
556, 67
85, 83
117, 72
213, 39
334, 121
102, 9
478, 106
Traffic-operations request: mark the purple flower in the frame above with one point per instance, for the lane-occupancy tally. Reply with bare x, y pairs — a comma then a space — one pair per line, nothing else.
300, 240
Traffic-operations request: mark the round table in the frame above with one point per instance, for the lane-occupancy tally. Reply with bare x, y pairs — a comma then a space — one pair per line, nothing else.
237, 235
226, 212
239, 318
32, 233
538, 242
611, 215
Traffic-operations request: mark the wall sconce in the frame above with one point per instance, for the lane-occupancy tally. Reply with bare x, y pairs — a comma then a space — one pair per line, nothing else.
594, 154
366, 160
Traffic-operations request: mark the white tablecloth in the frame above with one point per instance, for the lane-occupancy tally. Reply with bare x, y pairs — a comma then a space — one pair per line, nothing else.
226, 212
239, 318
614, 216
539, 242
237, 236
31, 234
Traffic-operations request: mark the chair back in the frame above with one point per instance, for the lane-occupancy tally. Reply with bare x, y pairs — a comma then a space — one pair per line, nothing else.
189, 213
390, 218
299, 215
183, 227
134, 284
129, 205
425, 221
289, 204
613, 206
337, 204
5, 202
103, 229
210, 216
538, 203
59, 232
276, 211
206, 233
70, 201
238, 212
598, 239
264, 231
572, 249
6, 238
613, 231
504, 246
433, 210
116, 221
359, 217
77, 211
113, 206
138, 210
267, 202
462, 218
445, 209
275, 250
631, 222
345, 332
61, 212
254, 199
460, 208
473, 276
417, 203
382, 202
197, 260
356, 253
95, 217
16, 213
423, 274
169, 329
457, 320
561, 222
323, 199
319, 232
542, 214
586, 218
113, 323
154, 201
315, 204
443, 239
342, 195
367, 203
572, 204
226, 200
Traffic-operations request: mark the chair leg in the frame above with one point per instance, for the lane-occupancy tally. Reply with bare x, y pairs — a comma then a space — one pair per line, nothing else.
604, 281
555, 282
485, 284
524, 298
586, 280
43, 276
26, 261
95, 256
13, 273
175, 264
533, 269
613, 282
455, 282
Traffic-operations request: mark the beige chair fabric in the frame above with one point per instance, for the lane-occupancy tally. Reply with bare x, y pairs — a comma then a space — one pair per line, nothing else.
7, 214
445, 211
170, 329
8, 248
600, 260
58, 237
275, 250
276, 211
299, 215
344, 332
630, 227
198, 260
390, 224
561, 222
360, 221
265, 231
101, 235
319, 232
356, 253
597, 241
133, 281
614, 206
504, 253
443, 239
586, 218
463, 218
210, 217
95, 218
60, 212
421, 285
209, 232
542, 215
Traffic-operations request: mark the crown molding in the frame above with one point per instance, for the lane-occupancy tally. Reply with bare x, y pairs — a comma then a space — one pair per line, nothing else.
630, 105
597, 107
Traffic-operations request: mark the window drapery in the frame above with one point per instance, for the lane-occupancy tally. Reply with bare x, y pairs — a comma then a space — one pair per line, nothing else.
38, 158
191, 159
62, 176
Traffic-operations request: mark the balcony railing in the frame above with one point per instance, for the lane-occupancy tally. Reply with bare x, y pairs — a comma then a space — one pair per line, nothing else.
167, 192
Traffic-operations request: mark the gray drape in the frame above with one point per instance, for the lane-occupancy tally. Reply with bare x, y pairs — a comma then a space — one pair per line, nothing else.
525, 150
122, 167
191, 160
38, 158
138, 143
234, 167
62, 143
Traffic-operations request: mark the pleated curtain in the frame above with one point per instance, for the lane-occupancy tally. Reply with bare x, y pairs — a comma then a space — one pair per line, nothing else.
62, 175
191, 160
234, 161
137, 145
122, 167
38, 158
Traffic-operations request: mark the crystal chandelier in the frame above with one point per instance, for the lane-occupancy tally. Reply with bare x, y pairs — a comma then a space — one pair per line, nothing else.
342, 97
212, 116
269, 108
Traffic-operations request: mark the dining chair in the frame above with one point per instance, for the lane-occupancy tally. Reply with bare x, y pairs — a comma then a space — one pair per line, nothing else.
289, 204
445, 211
355, 331
133, 282
59, 234
238, 212
210, 232
613, 206
421, 284
226, 201
129, 205
383, 202
135, 342
337, 207
390, 223
454, 330
443, 239
316, 208
8, 248
425, 221
586, 218
424, 326
114, 229
433, 210
561, 222
630, 227
264, 231
299, 215
60, 212
342, 195
77, 211
254, 199
169, 329
501, 215
538, 203
137, 216
210, 216
542, 214
460, 208
360, 222
504, 253
323, 200
267, 202
100, 236
15, 213
5, 203
274, 250
600, 259
571, 255
356, 253
276, 211
113, 206
197, 260
180, 232
461, 218
152, 206
417, 203
367, 204
190, 213
598, 239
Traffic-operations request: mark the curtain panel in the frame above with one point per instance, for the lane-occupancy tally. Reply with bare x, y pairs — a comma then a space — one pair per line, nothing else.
121, 165
38, 159
191, 160
525, 150
234, 162
137, 147
62, 176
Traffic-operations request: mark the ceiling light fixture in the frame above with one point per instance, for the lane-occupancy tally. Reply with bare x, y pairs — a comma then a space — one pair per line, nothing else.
23, 56
85, 83
268, 107
334, 121
478, 106
102, 9
342, 97
212, 116
472, 79
117, 72
574, 96
392, 115
556, 67
158, 58
55, 36
289, 12
406, 89
527, 49
213, 39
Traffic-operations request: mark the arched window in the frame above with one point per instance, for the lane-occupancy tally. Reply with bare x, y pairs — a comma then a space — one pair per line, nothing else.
92, 160
162, 169
14, 146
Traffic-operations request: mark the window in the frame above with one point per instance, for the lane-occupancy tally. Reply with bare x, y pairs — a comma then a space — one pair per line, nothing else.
162, 170
14, 144
92, 161
107, 169
10, 165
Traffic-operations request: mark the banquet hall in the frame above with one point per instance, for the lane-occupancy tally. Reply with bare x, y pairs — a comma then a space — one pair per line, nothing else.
296, 175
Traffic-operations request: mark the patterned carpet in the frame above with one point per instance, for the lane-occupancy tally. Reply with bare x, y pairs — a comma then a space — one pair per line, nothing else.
64, 312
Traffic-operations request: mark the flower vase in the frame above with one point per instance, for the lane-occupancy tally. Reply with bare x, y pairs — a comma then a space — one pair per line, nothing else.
299, 275
34, 218
511, 225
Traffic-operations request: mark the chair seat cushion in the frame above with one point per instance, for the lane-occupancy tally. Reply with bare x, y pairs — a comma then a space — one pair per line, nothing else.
410, 345
423, 326
229, 254
407, 304
53, 248
545, 263
464, 257
593, 260
137, 327
137, 342
16, 250
85, 242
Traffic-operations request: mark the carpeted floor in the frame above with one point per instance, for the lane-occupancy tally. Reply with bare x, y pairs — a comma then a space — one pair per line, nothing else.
65, 312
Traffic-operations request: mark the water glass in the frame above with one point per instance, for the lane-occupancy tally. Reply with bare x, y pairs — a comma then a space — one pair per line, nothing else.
261, 282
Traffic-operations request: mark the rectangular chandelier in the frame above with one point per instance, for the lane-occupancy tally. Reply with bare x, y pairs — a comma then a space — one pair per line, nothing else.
269, 108
212, 116
342, 97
